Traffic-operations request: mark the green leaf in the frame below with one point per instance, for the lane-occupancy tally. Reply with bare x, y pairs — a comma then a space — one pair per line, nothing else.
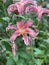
6, 40
15, 58
6, 43
38, 51
10, 62
6, 19
38, 62
1, 20
47, 41
20, 62
42, 46
24, 55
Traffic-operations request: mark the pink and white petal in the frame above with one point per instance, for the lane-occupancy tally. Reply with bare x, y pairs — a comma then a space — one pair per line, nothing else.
45, 11
14, 48
26, 39
28, 23
11, 27
34, 3
29, 40
25, 2
39, 16
31, 8
14, 36
48, 12
9, 13
20, 8
42, 11
31, 32
27, 11
11, 8
34, 8
20, 24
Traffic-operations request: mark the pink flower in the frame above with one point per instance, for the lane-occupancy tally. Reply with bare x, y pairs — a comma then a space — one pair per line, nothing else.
31, 8
14, 48
11, 9
42, 11
37, 9
19, 7
23, 29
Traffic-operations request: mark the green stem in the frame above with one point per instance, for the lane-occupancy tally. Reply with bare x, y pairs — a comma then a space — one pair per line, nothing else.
32, 54
4, 9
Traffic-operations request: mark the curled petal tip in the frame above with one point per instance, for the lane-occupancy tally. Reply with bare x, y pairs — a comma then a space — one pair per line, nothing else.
7, 29
14, 48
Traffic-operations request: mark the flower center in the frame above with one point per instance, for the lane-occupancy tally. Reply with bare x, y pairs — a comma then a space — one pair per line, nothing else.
22, 30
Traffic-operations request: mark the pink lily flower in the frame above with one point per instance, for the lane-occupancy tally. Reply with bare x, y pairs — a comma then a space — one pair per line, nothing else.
11, 9
37, 9
23, 29
19, 7
14, 48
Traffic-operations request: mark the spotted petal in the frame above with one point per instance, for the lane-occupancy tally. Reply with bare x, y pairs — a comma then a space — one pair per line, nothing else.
11, 9
11, 27
20, 24
28, 23
25, 2
42, 11
31, 8
20, 8
14, 48
14, 36
31, 32
27, 40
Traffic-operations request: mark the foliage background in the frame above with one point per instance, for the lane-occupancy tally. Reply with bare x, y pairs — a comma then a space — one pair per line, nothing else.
38, 52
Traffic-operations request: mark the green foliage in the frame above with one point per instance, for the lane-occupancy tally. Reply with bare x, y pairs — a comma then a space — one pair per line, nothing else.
38, 52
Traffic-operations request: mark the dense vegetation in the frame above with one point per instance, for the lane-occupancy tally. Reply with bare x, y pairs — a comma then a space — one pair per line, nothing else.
35, 53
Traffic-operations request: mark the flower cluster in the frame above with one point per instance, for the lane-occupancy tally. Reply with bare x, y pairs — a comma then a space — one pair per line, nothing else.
22, 28
19, 7
38, 10
23, 6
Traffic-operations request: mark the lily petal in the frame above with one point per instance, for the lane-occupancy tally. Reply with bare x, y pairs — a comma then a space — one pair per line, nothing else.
42, 11
14, 36
31, 8
14, 48
20, 8
40, 15
25, 2
27, 40
20, 24
11, 27
11, 9
31, 32
28, 23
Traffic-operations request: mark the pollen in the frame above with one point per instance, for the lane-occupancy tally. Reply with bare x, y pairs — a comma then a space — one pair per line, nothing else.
22, 30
